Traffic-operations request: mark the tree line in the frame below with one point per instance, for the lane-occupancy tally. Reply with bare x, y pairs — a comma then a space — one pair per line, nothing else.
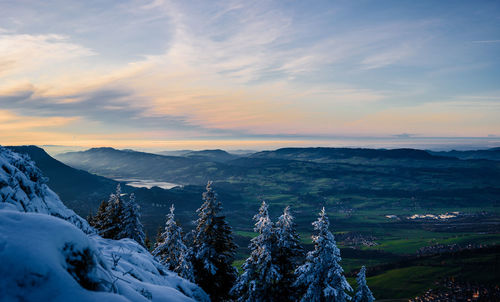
278, 268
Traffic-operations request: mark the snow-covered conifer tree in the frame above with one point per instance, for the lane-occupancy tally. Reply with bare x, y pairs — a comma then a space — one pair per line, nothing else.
261, 274
97, 220
111, 225
290, 255
321, 277
213, 249
117, 219
131, 226
363, 293
171, 250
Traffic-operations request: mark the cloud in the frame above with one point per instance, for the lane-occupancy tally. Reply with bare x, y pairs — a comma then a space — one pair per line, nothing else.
23, 54
487, 41
10, 121
227, 69
388, 57
107, 106
433, 119
250, 42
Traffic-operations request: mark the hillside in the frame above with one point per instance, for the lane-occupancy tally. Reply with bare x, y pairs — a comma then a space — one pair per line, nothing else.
114, 163
50, 253
358, 192
81, 190
331, 154
489, 154
216, 155
345, 180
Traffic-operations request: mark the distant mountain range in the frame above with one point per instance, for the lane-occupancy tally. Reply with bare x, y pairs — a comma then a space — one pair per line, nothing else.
114, 163
216, 153
198, 167
328, 154
490, 154
213, 155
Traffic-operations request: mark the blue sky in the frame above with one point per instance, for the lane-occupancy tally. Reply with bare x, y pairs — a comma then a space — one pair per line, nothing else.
174, 74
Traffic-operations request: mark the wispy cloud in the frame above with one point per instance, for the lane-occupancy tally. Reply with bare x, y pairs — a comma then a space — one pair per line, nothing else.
486, 41
23, 55
239, 69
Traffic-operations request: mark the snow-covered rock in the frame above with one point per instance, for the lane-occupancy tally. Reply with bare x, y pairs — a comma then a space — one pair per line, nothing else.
23, 188
48, 253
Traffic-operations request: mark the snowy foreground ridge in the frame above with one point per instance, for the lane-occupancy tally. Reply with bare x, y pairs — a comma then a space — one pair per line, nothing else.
48, 253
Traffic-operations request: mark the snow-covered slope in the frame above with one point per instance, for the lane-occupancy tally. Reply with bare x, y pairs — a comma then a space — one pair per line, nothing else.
23, 187
48, 253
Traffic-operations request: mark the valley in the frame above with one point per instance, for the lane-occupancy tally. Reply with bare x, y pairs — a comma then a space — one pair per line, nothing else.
384, 205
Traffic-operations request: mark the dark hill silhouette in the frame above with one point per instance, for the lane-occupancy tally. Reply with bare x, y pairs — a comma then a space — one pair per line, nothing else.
490, 154
216, 155
115, 163
320, 153
79, 190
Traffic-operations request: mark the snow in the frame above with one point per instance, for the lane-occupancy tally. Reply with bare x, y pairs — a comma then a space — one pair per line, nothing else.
51, 254
260, 272
212, 252
34, 265
321, 275
23, 186
363, 292
131, 223
170, 249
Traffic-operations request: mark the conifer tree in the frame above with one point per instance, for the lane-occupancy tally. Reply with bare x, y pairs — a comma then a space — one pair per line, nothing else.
130, 223
117, 219
290, 255
111, 225
261, 274
97, 220
147, 243
321, 276
171, 250
363, 293
213, 249
158, 237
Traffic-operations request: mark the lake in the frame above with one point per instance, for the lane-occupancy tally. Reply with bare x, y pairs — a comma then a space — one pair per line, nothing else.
147, 183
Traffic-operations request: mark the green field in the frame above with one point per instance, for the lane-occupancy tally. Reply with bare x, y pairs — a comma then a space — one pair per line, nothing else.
418, 275
358, 188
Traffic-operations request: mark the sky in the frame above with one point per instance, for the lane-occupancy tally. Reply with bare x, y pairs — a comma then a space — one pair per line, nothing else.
249, 74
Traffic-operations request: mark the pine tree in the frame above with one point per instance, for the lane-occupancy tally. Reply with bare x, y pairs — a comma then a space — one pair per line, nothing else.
97, 220
213, 249
117, 219
110, 224
158, 237
130, 223
261, 274
363, 293
290, 255
171, 250
147, 243
321, 276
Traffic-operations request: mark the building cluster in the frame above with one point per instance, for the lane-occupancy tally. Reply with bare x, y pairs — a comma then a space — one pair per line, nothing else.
460, 292
448, 248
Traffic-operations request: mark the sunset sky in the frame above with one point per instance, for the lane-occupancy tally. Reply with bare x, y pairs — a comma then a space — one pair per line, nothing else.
246, 74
